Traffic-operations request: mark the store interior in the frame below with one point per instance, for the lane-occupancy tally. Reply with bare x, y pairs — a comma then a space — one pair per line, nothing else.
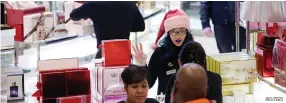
21, 59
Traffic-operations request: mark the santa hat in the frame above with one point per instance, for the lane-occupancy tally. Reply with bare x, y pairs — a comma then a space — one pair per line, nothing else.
173, 19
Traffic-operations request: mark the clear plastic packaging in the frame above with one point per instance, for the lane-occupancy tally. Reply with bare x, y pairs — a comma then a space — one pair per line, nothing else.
279, 55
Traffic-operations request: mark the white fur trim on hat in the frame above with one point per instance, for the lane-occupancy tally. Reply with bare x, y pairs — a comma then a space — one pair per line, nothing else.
177, 22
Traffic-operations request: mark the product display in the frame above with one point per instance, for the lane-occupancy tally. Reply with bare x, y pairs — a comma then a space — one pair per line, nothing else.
234, 68
62, 79
7, 36
18, 13
280, 77
111, 49
112, 99
109, 81
43, 22
279, 55
228, 90
7, 59
15, 81
72, 99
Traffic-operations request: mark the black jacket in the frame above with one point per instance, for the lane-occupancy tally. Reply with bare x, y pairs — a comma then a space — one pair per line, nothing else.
111, 19
162, 66
220, 12
214, 88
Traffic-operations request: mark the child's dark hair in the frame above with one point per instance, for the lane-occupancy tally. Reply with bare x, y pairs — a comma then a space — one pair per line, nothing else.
193, 52
134, 74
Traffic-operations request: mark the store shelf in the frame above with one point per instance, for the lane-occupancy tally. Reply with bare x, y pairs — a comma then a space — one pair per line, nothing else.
270, 81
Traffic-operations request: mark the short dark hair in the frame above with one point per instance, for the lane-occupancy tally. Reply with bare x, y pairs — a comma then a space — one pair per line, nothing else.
193, 52
134, 74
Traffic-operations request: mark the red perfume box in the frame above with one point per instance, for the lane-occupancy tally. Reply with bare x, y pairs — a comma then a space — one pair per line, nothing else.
266, 39
116, 52
264, 61
15, 16
62, 78
72, 99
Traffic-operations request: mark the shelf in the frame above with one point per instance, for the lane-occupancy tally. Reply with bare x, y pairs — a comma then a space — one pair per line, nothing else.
270, 81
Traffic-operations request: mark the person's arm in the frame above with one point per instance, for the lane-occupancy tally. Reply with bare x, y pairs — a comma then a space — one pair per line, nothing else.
82, 12
205, 13
139, 23
153, 67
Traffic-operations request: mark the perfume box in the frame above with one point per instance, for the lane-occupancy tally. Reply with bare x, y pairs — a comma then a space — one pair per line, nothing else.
234, 68
15, 81
264, 61
109, 80
106, 99
228, 90
213, 59
279, 55
65, 83
82, 27
266, 39
111, 50
111, 99
7, 59
62, 78
7, 36
71, 99
19, 32
45, 23
280, 77
18, 14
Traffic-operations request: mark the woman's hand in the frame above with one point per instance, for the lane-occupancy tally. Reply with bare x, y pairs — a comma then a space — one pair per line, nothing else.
138, 54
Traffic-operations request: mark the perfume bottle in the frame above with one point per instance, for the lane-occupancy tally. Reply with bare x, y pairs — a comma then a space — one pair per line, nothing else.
14, 90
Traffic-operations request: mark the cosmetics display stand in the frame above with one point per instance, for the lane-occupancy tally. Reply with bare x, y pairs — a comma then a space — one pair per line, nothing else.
251, 38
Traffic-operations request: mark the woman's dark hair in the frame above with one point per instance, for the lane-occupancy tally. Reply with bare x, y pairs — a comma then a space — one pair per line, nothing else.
134, 74
193, 52
169, 45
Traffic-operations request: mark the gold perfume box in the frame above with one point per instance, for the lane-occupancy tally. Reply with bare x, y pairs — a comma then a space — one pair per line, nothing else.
228, 90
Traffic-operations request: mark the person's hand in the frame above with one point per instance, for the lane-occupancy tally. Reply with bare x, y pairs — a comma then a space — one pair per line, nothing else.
208, 32
138, 54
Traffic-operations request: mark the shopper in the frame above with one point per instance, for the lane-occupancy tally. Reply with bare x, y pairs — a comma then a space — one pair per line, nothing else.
164, 60
136, 85
111, 19
193, 89
222, 14
193, 52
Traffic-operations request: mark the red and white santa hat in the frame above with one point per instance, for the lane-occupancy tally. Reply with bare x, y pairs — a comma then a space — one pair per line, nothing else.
173, 19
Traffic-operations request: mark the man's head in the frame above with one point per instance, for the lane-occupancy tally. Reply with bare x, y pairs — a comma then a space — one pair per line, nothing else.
190, 83
135, 82
193, 52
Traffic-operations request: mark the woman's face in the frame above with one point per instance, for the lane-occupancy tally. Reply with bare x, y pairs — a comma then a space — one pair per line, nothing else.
178, 36
137, 93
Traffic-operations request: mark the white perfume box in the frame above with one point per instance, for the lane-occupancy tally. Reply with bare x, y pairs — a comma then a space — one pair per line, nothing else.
7, 37
109, 80
44, 27
15, 80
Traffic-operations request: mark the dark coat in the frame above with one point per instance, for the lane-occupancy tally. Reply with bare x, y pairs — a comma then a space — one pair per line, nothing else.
111, 19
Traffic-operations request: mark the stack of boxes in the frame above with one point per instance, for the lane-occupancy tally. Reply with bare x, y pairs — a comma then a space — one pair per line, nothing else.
15, 17
107, 85
237, 70
62, 81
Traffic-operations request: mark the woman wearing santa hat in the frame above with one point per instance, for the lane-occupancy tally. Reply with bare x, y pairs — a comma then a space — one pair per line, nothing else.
164, 60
